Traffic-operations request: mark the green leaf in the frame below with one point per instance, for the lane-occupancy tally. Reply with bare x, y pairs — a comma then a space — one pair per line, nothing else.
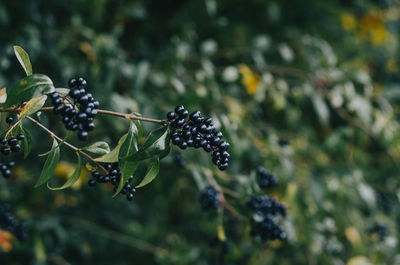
23, 59
73, 178
99, 148
128, 147
27, 142
151, 173
112, 156
129, 168
58, 146
156, 144
33, 105
27, 88
50, 165
62, 91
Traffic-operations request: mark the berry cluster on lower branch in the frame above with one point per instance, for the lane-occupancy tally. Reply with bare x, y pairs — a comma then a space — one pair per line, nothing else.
10, 223
8, 145
196, 132
6, 169
113, 177
263, 223
210, 198
12, 144
266, 179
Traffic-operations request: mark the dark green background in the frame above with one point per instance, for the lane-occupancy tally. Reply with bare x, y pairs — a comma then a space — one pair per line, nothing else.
338, 164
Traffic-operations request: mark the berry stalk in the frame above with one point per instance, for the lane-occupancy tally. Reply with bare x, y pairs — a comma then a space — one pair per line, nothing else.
67, 144
100, 111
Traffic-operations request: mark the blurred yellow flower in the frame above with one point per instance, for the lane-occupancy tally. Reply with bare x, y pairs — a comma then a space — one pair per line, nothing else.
348, 22
352, 235
372, 26
359, 260
249, 79
5, 240
65, 169
392, 65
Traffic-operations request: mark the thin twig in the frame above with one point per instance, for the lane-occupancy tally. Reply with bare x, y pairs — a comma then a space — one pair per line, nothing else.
122, 238
67, 144
57, 259
101, 111
11, 128
131, 116
224, 202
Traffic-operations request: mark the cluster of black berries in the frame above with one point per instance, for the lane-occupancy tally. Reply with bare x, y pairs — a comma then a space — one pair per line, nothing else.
198, 132
6, 169
263, 222
12, 143
210, 198
82, 120
10, 223
381, 230
113, 177
266, 179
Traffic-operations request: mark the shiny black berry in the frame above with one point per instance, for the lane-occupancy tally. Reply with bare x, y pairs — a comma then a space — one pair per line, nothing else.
9, 120
5, 150
16, 148
83, 135
20, 136
179, 110
72, 83
129, 196
12, 141
92, 182
171, 115
7, 173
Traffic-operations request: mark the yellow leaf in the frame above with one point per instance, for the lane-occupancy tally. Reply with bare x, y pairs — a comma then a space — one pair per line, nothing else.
352, 235
392, 65
359, 260
5, 240
249, 79
221, 233
348, 22
33, 105
3, 95
90, 167
372, 26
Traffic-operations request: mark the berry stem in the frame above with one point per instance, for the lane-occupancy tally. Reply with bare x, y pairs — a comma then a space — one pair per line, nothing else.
11, 128
131, 116
106, 112
67, 144
224, 202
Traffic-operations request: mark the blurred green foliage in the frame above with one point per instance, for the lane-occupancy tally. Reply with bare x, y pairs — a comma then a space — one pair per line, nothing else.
308, 90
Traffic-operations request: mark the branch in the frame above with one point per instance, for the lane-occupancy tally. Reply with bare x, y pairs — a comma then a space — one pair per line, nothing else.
122, 238
106, 112
224, 202
67, 144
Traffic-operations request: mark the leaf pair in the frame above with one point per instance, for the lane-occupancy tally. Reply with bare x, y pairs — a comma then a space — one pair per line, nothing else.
129, 155
30, 87
50, 166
